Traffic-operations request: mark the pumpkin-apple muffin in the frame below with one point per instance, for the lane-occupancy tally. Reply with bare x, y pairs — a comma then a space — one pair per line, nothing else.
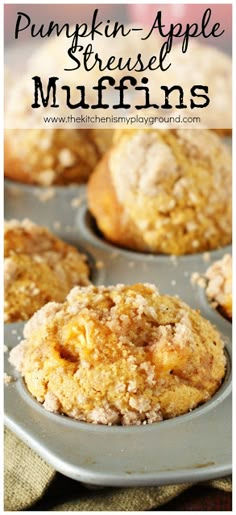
121, 354
164, 191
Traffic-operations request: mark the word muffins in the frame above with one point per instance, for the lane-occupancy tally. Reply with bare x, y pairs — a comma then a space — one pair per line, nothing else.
38, 268
164, 191
120, 355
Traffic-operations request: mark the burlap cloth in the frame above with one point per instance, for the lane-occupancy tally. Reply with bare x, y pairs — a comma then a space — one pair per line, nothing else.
28, 477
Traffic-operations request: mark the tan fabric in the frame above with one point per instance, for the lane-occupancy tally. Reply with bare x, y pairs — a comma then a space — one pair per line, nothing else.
124, 499
224, 484
27, 477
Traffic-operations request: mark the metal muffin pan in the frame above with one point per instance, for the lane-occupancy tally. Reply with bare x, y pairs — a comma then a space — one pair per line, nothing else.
190, 448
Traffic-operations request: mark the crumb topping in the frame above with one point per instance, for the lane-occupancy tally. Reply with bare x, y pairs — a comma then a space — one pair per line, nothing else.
8, 379
51, 402
203, 145
147, 158
66, 157
45, 195
198, 279
218, 284
76, 202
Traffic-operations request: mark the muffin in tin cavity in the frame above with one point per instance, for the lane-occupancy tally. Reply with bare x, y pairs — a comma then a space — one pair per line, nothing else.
164, 191
47, 156
121, 354
38, 268
219, 285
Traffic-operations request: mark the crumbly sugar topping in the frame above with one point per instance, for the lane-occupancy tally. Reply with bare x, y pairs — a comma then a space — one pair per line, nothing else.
8, 379
147, 159
218, 284
66, 157
45, 195
26, 224
45, 314
198, 279
46, 178
51, 402
220, 270
203, 145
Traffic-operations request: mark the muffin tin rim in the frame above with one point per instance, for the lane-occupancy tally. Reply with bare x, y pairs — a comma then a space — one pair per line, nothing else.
140, 478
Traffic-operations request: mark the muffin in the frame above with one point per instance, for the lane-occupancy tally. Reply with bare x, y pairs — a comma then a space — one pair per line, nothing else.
219, 285
38, 268
53, 154
120, 355
164, 191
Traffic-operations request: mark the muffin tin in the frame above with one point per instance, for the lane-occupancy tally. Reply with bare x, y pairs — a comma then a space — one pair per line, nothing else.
189, 448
